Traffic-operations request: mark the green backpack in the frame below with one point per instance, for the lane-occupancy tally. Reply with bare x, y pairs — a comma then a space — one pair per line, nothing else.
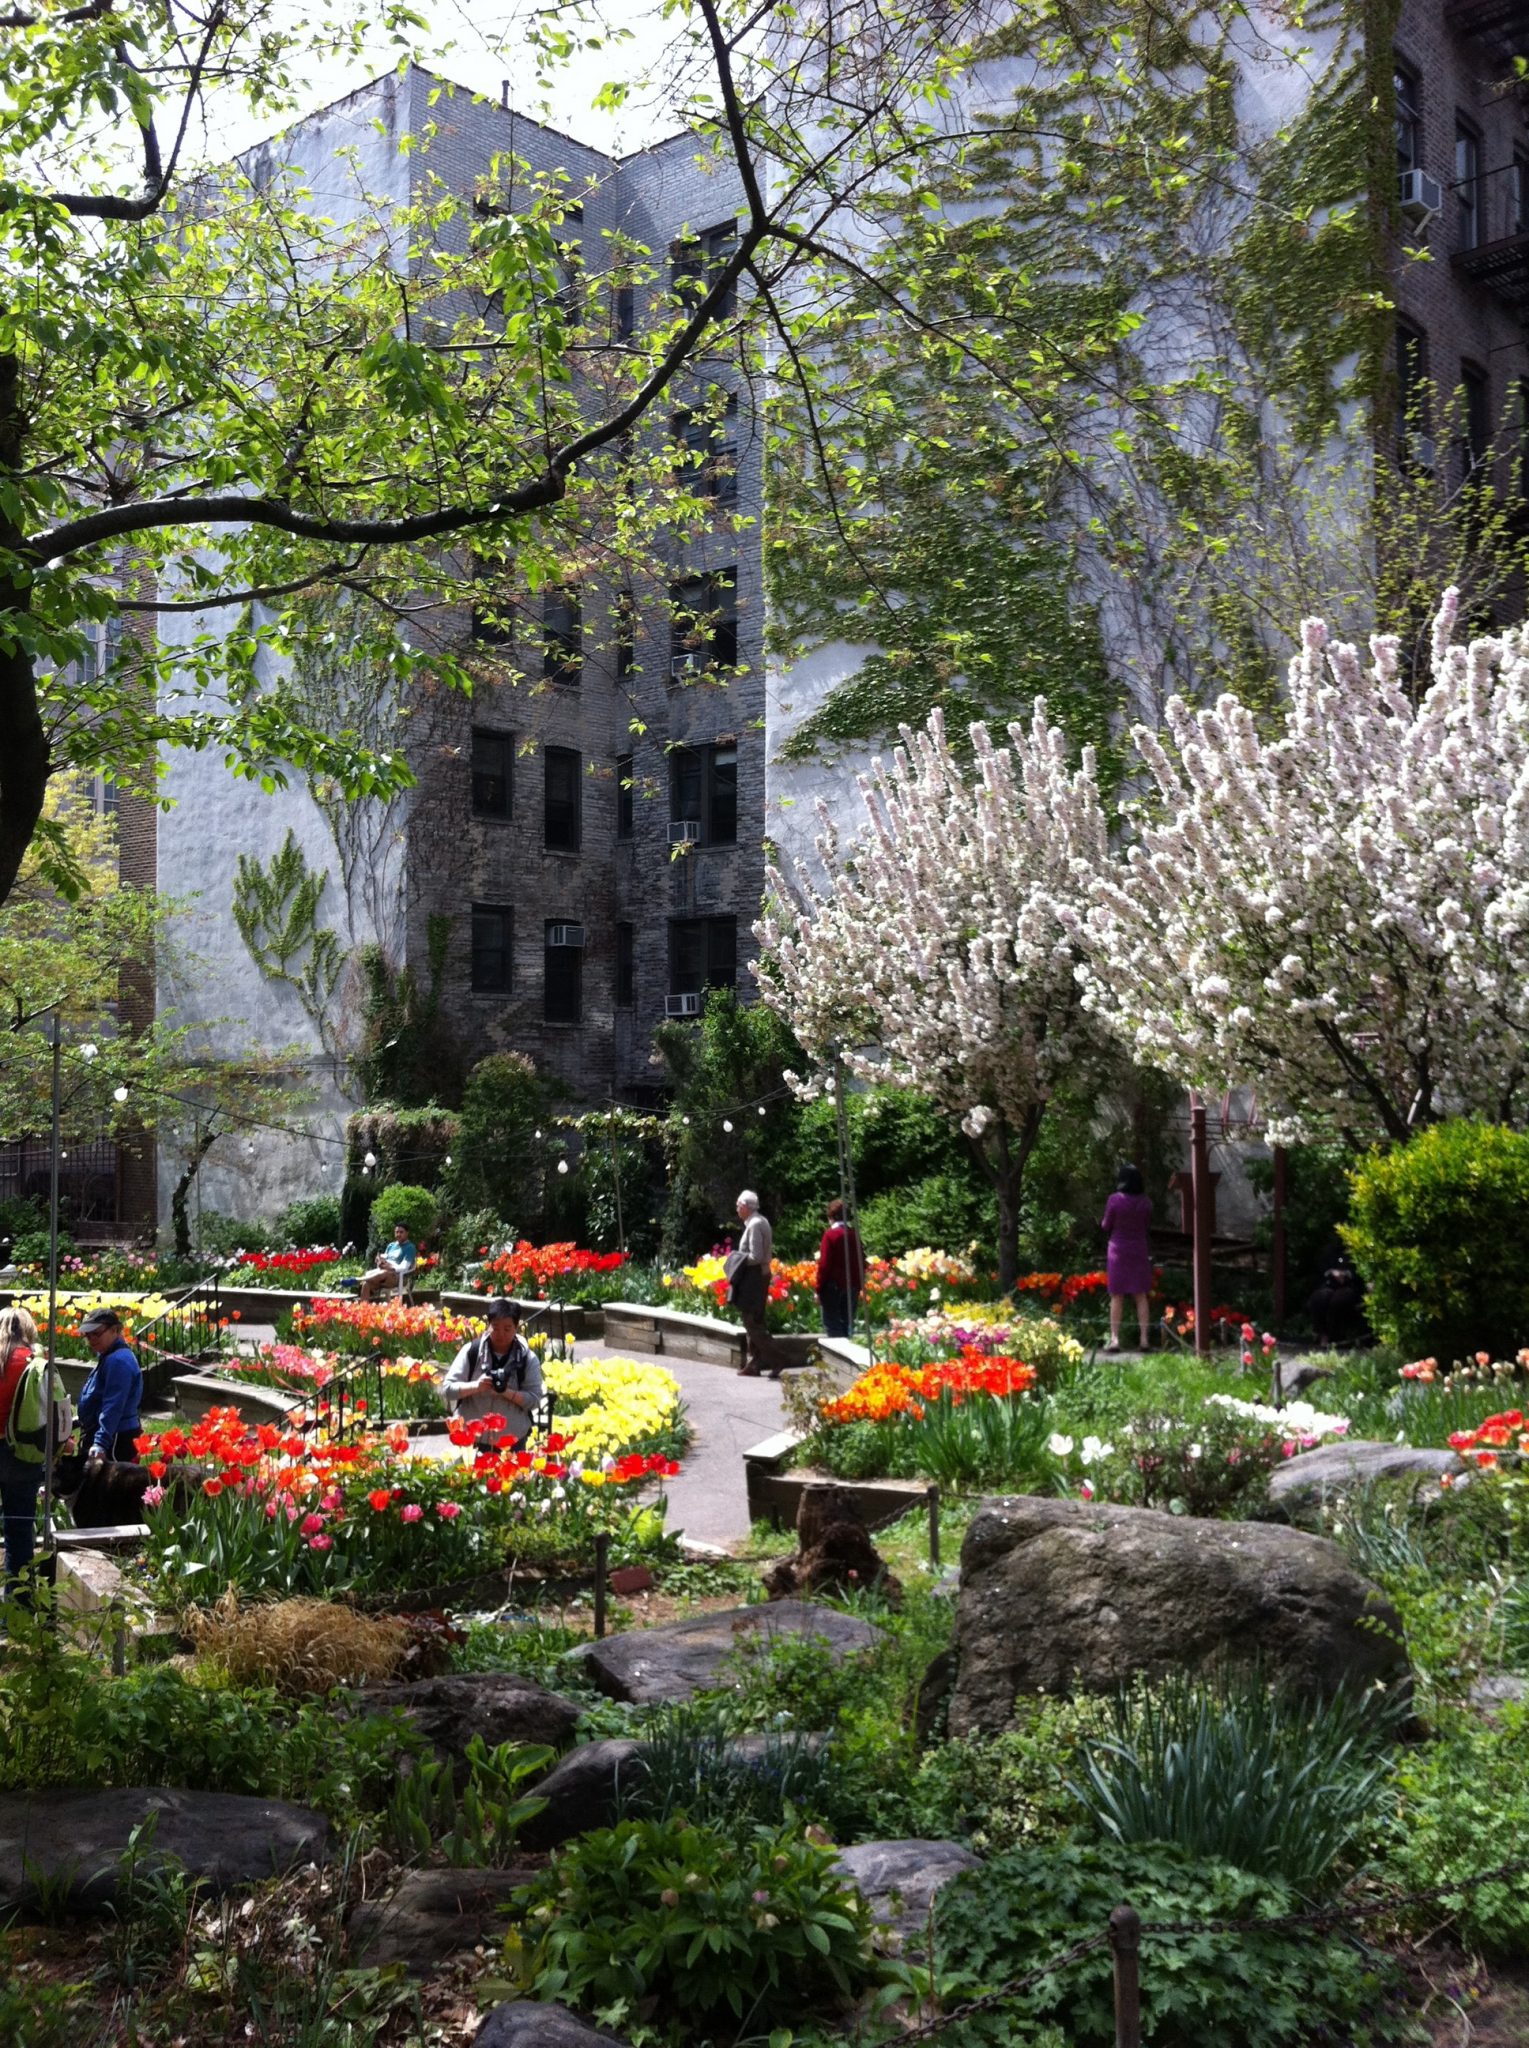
26, 1427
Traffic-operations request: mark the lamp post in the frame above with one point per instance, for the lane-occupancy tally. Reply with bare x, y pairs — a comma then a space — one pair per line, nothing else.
49, 1563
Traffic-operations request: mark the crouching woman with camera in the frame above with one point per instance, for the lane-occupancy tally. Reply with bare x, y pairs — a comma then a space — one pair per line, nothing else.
496, 1374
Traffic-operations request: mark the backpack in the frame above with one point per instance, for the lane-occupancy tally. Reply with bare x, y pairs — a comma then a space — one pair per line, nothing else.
26, 1427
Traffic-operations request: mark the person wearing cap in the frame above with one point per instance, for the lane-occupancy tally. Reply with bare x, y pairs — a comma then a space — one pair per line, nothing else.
109, 1419
496, 1374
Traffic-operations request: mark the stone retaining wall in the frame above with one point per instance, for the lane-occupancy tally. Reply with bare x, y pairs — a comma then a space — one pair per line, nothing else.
775, 1488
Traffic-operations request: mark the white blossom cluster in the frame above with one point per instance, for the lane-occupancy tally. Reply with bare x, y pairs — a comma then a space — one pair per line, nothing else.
1338, 914
936, 953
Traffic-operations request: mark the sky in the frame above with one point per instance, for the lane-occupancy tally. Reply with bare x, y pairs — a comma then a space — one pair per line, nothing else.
482, 45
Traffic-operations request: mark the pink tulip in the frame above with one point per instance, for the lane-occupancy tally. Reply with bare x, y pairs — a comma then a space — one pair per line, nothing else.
412, 1512
312, 1524
448, 1510
321, 1543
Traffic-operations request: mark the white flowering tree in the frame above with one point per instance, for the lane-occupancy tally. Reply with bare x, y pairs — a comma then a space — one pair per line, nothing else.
1338, 914
932, 950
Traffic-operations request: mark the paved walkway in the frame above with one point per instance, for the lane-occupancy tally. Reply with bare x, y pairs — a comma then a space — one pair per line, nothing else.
708, 1502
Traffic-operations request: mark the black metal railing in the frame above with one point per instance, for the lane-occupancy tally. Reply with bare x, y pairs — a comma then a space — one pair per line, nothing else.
191, 1327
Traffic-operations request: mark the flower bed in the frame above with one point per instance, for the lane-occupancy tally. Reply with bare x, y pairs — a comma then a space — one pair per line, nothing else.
410, 1385
389, 1329
910, 1282
552, 1272
187, 1328
280, 1514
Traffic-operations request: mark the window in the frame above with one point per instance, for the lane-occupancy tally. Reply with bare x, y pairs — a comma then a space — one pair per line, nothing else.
103, 795
492, 625
703, 953
703, 632
626, 808
493, 772
1467, 186
562, 978
1476, 421
1413, 443
1518, 195
492, 936
696, 259
626, 636
1523, 437
562, 638
1409, 118
710, 444
703, 791
626, 966
560, 806
625, 320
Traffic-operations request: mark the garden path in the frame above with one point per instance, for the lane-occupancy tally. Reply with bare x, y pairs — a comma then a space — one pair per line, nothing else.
708, 1502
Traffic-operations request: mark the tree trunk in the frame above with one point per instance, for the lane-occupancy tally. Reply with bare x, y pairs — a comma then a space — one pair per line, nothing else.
1003, 1155
24, 761
180, 1219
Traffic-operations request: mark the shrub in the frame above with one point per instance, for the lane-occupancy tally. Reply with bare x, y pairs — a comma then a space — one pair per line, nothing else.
1236, 1772
298, 1646
942, 1209
689, 1764
413, 1207
495, 1161
1275, 1988
1463, 1808
477, 1824
1001, 1791
313, 1220
220, 1234
714, 1931
1435, 1228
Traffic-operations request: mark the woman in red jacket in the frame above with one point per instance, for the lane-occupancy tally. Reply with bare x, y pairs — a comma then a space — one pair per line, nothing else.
20, 1483
841, 1272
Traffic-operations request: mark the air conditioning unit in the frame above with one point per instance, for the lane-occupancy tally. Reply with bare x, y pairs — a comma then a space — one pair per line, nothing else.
565, 935
1420, 196
684, 831
682, 1006
687, 664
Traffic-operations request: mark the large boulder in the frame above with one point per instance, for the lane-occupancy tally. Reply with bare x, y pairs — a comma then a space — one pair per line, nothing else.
650, 1664
1302, 1485
431, 1915
1061, 1596
68, 1846
448, 1712
900, 1880
521, 2023
587, 1788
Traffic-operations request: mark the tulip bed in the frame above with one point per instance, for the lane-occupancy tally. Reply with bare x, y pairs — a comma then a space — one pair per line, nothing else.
384, 1329
910, 1283
187, 1328
276, 1513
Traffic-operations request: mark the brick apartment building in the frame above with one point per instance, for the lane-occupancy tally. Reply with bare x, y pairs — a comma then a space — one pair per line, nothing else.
594, 832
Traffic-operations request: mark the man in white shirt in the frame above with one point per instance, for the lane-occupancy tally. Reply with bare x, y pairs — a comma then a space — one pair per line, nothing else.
749, 1275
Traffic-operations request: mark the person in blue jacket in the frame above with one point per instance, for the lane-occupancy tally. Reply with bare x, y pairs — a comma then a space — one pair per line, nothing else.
109, 1419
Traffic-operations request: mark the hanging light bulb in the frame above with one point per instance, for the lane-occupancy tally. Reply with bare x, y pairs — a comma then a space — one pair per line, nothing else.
447, 1160
761, 1109
562, 1166
368, 1162
119, 1093
538, 1134
727, 1123
87, 1052
685, 1121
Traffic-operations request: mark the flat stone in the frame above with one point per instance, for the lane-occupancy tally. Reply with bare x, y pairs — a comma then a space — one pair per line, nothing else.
524, 2024
674, 1663
497, 1705
1503, 1689
431, 1915
1060, 1596
900, 1880
1304, 1482
72, 1842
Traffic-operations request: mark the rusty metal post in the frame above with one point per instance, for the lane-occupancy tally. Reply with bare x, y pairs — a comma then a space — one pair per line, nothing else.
933, 1498
1125, 1941
602, 1558
1204, 1218
1278, 1277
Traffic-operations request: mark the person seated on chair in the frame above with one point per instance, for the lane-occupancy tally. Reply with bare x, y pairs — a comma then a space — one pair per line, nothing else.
395, 1267
496, 1374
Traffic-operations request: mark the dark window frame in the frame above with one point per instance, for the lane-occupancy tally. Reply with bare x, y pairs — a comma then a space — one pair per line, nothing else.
562, 638
1476, 418
482, 980
484, 738
1467, 184
1407, 90
626, 798
1411, 366
710, 462
562, 978
700, 788
714, 599
563, 811
703, 954
626, 964
695, 259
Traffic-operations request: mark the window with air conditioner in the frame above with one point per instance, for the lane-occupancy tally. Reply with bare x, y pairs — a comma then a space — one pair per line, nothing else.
562, 975
703, 954
703, 630
493, 931
703, 795
561, 822
493, 772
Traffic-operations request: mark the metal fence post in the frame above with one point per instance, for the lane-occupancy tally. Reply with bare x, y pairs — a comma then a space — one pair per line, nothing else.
1125, 1941
602, 1557
934, 1528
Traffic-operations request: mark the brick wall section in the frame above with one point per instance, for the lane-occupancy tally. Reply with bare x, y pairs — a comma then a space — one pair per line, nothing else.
1464, 321
456, 859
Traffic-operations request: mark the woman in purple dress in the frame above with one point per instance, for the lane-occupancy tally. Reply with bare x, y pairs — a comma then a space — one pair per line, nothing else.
1128, 1262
